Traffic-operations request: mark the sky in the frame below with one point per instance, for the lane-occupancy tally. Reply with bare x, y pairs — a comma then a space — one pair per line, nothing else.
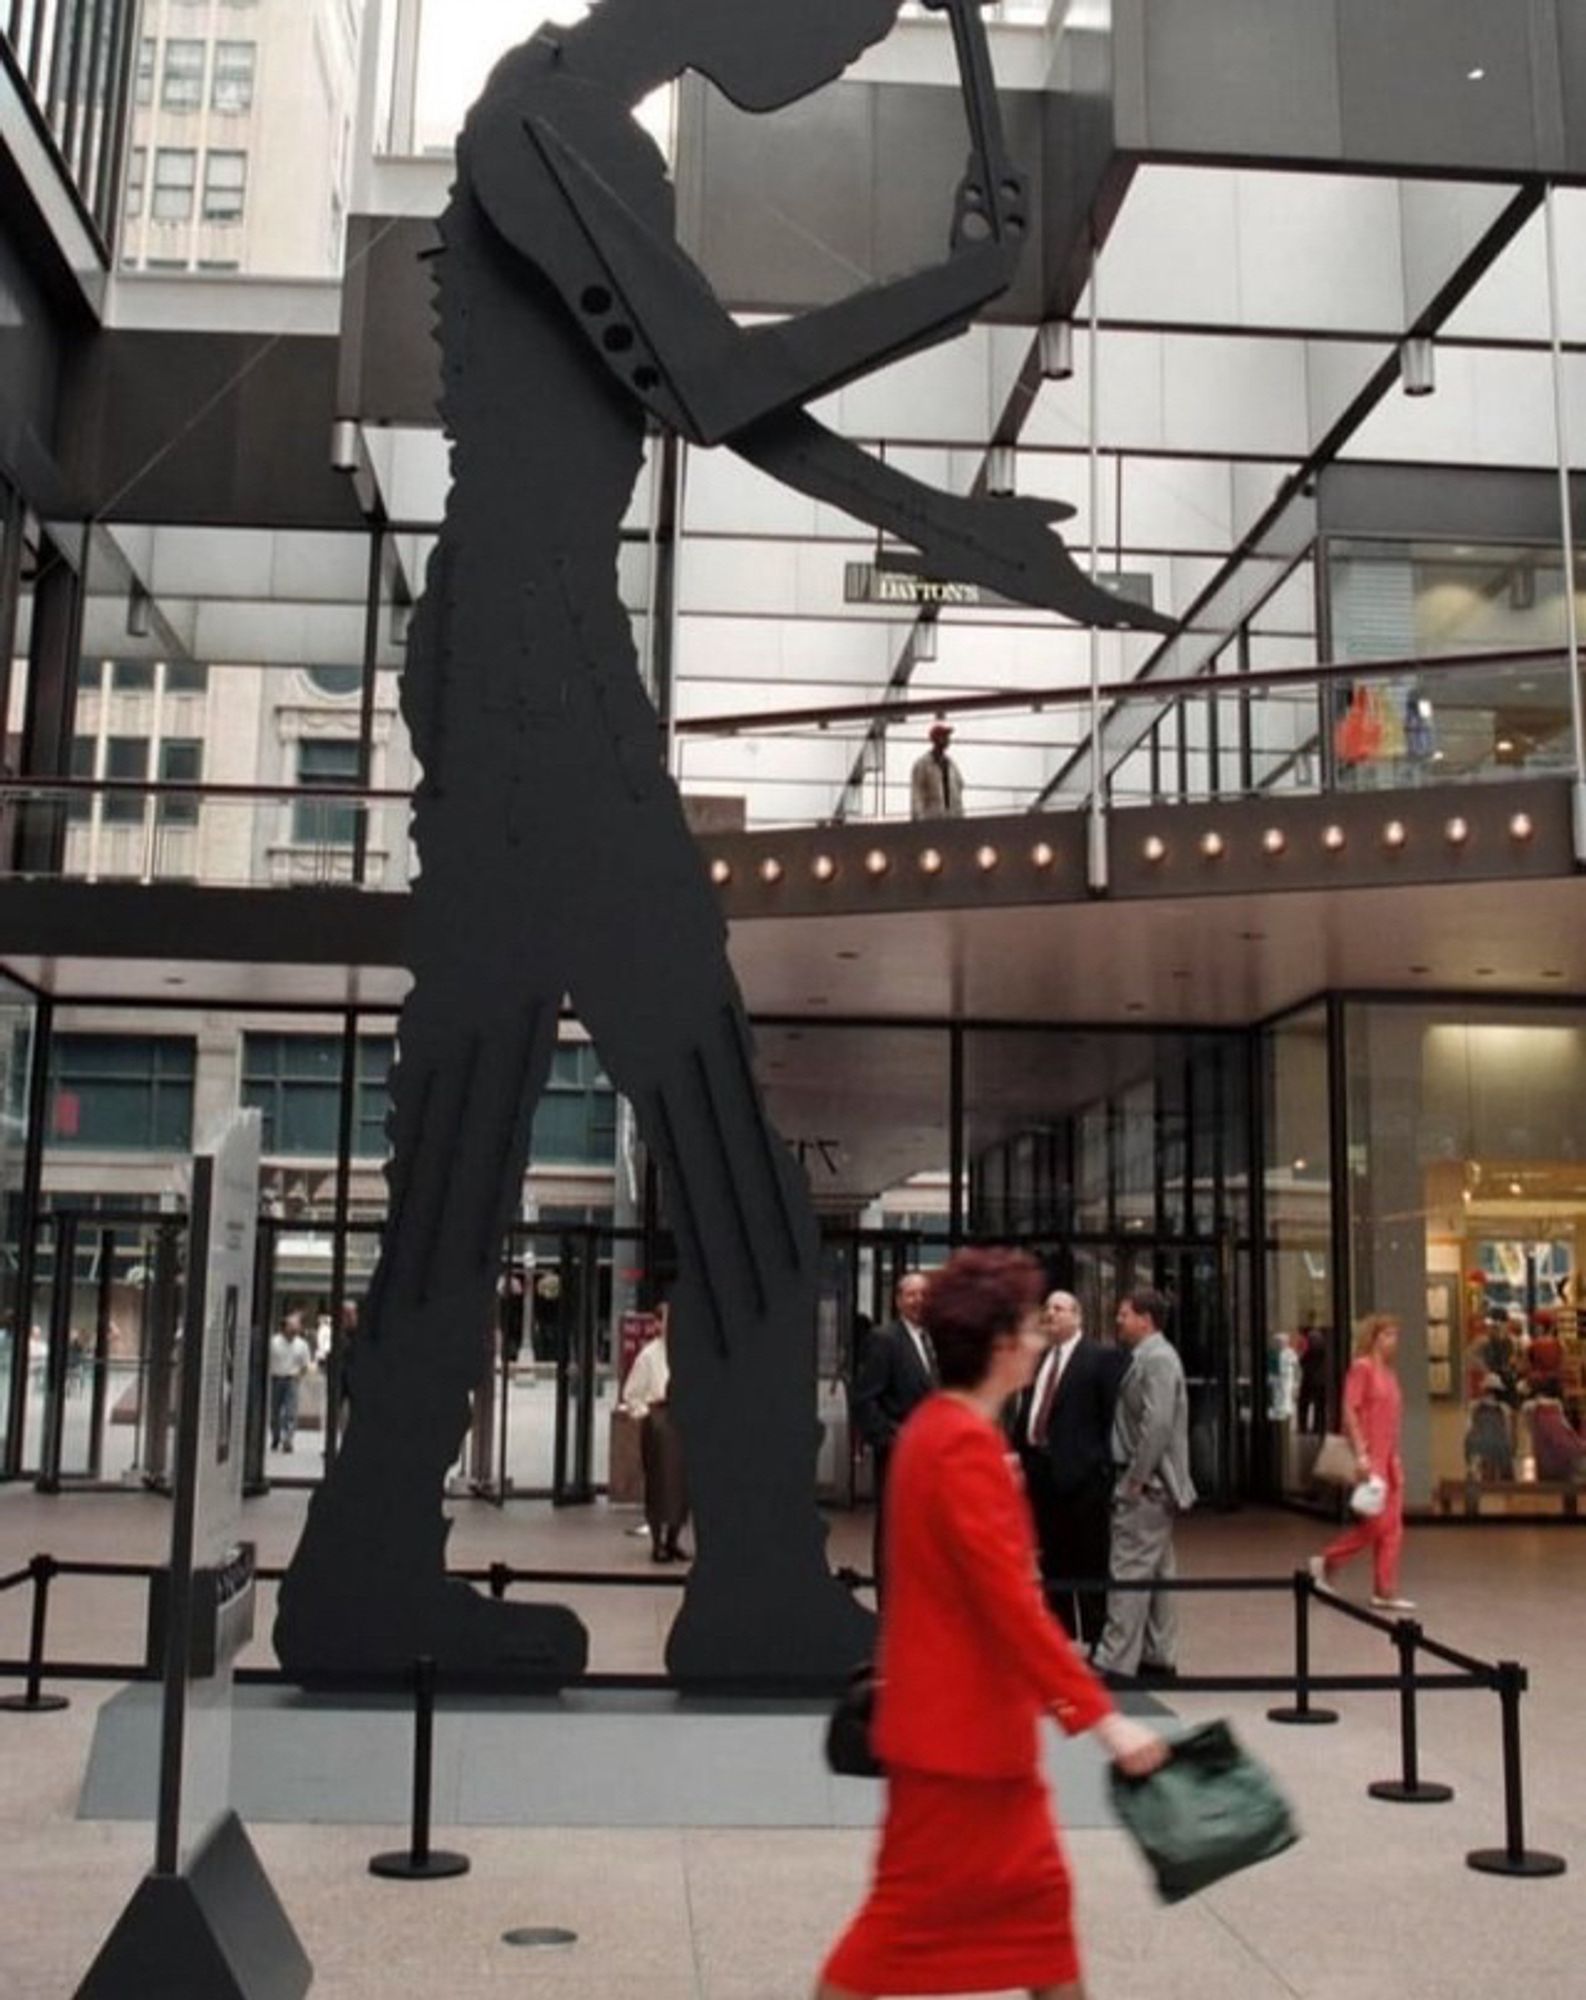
459, 45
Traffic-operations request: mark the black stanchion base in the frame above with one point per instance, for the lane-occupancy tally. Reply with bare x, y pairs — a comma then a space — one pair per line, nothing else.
1302, 1718
1530, 1864
409, 1867
1397, 1793
539, 1937
45, 1704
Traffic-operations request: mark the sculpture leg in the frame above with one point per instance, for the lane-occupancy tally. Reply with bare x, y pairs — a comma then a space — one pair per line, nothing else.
366, 1592
653, 986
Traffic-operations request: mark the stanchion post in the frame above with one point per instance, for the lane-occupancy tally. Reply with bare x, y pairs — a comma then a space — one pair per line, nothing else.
500, 1577
1514, 1857
419, 1863
34, 1701
1302, 1714
1407, 1789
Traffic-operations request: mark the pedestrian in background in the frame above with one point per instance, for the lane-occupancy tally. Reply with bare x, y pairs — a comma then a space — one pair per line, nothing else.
1373, 1420
646, 1395
896, 1373
971, 1892
1062, 1428
290, 1360
1150, 1448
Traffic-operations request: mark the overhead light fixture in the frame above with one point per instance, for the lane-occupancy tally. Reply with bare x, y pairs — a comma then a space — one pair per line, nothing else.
1213, 846
1274, 840
1516, 1189
986, 858
1521, 827
876, 862
721, 873
1043, 854
1505, 746
1057, 350
1418, 365
140, 612
824, 868
1457, 831
346, 445
770, 869
1395, 833
1154, 848
931, 861
1001, 471
1301, 1165
923, 646
1333, 838
1522, 591
1476, 75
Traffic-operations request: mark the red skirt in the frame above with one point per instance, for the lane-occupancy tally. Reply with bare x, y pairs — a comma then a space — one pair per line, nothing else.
971, 1893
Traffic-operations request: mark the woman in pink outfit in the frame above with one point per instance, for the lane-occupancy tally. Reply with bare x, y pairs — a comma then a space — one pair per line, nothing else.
1373, 1416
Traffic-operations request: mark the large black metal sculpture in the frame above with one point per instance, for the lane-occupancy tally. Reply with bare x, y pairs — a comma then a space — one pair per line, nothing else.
555, 857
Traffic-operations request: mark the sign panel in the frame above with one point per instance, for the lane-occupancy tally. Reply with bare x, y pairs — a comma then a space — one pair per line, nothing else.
204, 1613
893, 582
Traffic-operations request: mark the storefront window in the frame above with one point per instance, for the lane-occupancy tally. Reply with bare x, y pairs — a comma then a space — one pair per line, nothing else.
1467, 1202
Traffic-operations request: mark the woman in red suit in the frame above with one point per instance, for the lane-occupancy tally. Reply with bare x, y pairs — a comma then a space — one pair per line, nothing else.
971, 1893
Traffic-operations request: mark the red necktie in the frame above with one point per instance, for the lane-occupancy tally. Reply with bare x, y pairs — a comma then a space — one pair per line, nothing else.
1042, 1421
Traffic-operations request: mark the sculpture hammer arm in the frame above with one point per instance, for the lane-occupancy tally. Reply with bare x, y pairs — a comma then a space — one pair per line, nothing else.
650, 315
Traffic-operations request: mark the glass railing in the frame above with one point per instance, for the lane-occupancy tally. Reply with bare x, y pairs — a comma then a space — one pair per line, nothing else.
214, 837
1286, 733
1321, 732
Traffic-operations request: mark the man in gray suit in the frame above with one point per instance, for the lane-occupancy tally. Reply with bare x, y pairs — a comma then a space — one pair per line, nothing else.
1150, 1448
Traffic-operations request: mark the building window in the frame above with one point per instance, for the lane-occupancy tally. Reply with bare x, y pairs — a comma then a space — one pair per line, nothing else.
576, 1123
130, 1093
235, 66
126, 763
132, 677
80, 805
137, 176
225, 180
335, 680
295, 1082
186, 677
183, 86
181, 763
326, 766
144, 88
175, 175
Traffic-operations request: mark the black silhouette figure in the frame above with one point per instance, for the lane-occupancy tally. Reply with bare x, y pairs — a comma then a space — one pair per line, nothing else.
555, 857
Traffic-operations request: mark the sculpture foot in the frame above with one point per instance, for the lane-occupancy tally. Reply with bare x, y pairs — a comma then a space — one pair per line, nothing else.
344, 1630
792, 1635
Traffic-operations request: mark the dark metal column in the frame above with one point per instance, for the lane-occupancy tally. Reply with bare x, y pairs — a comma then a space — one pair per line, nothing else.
1338, 1176
956, 1136
28, 1222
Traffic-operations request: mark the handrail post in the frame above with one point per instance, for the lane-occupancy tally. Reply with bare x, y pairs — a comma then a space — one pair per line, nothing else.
419, 1862
1514, 1857
1302, 1714
35, 1702
1407, 1789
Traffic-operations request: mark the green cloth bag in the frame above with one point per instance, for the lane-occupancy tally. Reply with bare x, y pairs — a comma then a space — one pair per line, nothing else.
1209, 1811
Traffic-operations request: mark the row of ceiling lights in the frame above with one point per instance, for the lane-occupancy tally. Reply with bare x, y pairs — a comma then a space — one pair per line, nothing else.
1395, 834
1212, 845
878, 862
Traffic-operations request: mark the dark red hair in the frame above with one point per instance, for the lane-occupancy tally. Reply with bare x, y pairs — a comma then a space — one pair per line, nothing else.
975, 1299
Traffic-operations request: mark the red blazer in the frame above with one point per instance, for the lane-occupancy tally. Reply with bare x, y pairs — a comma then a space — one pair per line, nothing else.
970, 1656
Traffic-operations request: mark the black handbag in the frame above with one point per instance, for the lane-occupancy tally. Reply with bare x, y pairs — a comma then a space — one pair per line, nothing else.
1210, 1810
848, 1751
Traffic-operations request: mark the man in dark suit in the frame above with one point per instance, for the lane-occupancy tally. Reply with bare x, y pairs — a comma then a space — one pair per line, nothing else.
1062, 1427
896, 1372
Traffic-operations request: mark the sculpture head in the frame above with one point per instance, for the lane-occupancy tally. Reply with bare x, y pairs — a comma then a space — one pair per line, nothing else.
763, 54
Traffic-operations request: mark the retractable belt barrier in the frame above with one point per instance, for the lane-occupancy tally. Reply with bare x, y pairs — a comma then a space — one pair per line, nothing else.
1507, 1679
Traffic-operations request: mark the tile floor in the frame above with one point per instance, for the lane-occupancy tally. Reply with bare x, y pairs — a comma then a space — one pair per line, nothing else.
1375, 1904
